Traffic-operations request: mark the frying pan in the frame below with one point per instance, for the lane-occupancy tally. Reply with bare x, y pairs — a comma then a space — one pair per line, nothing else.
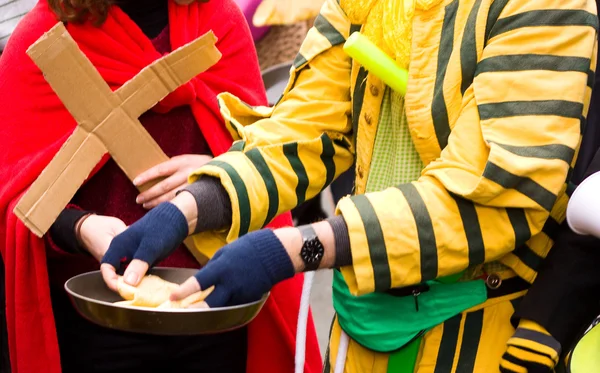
93, 300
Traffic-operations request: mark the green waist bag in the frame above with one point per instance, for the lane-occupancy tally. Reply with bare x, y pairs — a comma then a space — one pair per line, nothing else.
384, 323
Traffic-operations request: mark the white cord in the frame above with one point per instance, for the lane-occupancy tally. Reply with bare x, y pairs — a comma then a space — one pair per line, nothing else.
340, 361
303, 322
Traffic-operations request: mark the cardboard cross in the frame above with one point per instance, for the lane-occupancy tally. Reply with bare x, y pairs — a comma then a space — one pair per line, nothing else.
106, 121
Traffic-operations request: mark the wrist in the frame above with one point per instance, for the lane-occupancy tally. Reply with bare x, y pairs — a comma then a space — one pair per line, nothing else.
62, 235
79, 232
292, 241
186, 203
326, 236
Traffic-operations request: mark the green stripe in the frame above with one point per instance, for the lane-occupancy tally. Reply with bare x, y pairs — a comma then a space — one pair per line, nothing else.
376, 242
570, 174
518, 220
470, 342
357, 99
291, 153
439, 110
427, 243
242, 195
591, 78
326, 29
528, 257
522, 233
570, 189
229, 125
445, 358
263, 169
493, 14
354, 28
566, 109
299, 61
524, 185
237, 146
472, 229
551, 228
468, 49
327, 159
551, 151
326, 362
545, 17
527, 62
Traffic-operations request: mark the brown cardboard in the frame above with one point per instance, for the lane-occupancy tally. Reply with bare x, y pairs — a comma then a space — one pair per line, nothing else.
106, 121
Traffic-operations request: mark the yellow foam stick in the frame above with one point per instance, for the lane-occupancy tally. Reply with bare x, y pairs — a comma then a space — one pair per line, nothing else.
377, 62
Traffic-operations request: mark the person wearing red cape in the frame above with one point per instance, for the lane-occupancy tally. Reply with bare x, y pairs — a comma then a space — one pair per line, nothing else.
120, 38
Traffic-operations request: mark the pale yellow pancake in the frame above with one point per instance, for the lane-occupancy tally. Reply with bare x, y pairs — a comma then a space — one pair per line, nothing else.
154, 292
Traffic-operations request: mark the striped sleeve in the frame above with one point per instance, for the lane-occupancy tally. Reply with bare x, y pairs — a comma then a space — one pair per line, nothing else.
287, 155
507, 158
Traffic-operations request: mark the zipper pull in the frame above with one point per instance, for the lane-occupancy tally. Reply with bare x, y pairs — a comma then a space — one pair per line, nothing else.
416, 294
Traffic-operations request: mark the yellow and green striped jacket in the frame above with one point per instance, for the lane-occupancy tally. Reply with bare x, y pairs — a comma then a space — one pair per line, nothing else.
498, 92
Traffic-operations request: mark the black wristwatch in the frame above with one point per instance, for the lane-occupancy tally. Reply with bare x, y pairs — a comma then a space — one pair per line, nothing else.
312, 249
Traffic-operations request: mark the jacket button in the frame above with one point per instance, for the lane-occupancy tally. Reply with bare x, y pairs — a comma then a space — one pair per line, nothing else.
374, 90
359, 169
493, 281
368, 118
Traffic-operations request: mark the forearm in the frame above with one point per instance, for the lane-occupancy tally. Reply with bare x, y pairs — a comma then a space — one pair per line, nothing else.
206, 206
291, 240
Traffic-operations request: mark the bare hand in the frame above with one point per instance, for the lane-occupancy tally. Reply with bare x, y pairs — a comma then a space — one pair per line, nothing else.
97, 232
175, 171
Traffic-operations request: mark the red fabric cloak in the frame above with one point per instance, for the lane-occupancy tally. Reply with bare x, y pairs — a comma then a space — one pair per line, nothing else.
34, 124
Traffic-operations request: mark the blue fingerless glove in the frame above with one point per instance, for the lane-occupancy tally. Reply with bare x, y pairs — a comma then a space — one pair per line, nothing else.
150, 239
246, 269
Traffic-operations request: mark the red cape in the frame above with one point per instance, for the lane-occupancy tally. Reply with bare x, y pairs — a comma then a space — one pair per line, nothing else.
34, 124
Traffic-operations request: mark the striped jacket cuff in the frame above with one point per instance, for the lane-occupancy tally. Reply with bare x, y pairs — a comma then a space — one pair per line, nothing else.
531, 348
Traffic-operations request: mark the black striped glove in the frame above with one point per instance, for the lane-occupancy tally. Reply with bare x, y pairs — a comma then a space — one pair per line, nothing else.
530, 350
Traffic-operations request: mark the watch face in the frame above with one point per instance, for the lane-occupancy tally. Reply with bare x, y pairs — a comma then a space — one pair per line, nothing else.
312, 251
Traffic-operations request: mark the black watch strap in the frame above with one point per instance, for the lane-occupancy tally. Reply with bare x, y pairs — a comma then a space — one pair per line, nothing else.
312, 249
